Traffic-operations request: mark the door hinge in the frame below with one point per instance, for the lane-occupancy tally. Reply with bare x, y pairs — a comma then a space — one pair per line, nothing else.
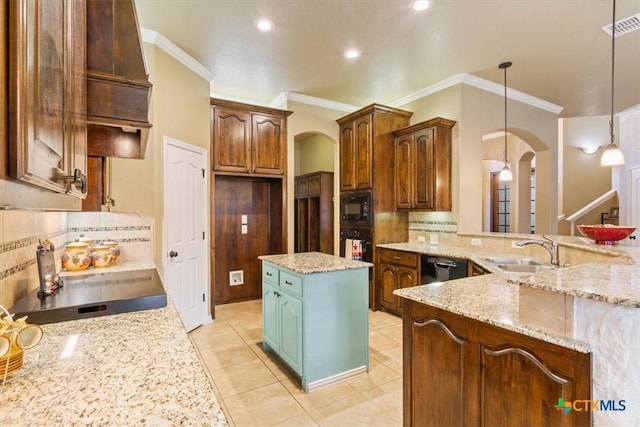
203, 173
202, 297
203, 235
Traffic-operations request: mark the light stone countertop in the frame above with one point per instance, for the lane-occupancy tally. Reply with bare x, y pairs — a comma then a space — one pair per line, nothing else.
313, 262
504, 298
135, 368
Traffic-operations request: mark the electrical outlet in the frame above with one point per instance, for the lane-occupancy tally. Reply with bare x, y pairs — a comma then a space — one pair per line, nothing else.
244, 229
243, 219
433, 239
476, 242
420, 239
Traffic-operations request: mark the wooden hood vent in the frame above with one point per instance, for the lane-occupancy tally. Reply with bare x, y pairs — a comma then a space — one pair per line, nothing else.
118, 88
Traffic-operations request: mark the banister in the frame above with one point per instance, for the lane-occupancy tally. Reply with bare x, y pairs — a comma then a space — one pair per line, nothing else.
589, 207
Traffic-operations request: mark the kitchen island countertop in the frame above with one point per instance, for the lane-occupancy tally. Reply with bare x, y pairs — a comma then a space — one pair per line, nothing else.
135, 368
313, 262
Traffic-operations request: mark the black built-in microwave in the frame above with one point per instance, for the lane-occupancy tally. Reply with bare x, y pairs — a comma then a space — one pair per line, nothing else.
356, 209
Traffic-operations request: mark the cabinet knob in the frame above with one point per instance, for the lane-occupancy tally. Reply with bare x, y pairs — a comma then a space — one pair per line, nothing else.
173, 254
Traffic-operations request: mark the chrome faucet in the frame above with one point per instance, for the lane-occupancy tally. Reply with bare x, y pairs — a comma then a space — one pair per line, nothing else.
550, 245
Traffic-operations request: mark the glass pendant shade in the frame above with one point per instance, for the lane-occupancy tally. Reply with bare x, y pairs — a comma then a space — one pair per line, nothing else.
612, 156
505, 174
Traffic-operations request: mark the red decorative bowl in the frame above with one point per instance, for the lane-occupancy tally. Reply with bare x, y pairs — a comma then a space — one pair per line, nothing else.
606, 234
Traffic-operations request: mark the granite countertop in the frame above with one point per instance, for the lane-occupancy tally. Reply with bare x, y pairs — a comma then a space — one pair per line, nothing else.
501, 298
127, 369
313, 262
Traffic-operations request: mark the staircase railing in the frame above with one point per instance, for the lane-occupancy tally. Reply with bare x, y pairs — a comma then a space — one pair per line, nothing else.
588, 208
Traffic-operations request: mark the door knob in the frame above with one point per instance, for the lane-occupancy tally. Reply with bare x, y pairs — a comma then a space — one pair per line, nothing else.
173, 254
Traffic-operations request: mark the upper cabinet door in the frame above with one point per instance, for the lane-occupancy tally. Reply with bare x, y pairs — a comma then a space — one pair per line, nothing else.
231, 140
404, 171
347, 160
363, 144
47, 87
269, 144
425, 177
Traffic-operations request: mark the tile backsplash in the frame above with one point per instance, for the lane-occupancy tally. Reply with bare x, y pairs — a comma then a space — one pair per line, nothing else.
20, 232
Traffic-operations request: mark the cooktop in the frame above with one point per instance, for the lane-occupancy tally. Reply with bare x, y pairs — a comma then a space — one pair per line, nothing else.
95, 294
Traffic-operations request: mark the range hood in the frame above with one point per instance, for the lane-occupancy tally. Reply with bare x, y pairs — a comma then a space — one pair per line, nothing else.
118, 88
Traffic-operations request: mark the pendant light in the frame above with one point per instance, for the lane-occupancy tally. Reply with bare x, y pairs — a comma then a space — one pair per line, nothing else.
612, 156
505, 173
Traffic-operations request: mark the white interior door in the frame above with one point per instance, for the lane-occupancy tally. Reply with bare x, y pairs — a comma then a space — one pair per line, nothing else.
185, 196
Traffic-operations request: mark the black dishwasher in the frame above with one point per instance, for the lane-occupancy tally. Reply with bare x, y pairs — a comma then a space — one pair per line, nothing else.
440, 269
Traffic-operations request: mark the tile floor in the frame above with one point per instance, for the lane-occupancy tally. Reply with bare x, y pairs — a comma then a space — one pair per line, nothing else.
256, 389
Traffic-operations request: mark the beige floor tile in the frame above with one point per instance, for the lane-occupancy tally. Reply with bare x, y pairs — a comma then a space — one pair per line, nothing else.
221, 341
379, 342
378, 374
388, 396
322, 397
380, 319
241, 377
267, 405
216, 359
391, 357
393, 332
352, 413
299, 421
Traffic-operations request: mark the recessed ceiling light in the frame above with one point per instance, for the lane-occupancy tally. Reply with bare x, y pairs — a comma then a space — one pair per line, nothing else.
352, 53
421, 5
264, 25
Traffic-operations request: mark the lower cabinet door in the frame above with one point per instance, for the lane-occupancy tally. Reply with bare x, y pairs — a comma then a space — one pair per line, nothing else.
291, 331
270, 313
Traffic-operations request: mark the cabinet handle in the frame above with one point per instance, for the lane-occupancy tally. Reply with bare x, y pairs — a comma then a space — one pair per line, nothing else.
288, 283
269, 274
396, 257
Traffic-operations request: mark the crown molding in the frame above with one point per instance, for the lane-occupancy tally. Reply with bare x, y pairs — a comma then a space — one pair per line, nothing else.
157, 39
312, 100
629, 111
480, 83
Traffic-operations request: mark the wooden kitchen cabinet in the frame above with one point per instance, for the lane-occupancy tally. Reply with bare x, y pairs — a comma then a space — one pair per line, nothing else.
365, 156
313, 213
47, 87
486, 375
396, 270
248, 139
423, 165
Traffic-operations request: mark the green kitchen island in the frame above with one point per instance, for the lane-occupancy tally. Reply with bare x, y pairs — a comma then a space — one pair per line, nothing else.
315, 315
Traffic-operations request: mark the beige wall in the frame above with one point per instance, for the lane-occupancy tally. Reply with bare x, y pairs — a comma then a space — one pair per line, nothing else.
315, 154
629, 139
180, 110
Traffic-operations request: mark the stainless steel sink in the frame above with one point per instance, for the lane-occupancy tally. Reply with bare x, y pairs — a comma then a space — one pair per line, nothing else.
527, 268
501, 261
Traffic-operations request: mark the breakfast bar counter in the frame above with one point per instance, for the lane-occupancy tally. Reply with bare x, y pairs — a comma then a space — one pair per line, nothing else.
136, 368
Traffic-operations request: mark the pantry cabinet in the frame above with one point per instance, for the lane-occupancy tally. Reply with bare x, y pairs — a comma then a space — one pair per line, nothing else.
248, 139
47, 94
313, 212
423, 165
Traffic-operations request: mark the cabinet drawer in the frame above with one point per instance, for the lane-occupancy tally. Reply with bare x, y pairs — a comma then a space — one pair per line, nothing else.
314, 185
302, 186
270, 273
291, 283
409, 259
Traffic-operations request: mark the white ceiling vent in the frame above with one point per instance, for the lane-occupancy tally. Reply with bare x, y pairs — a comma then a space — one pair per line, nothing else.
624, 26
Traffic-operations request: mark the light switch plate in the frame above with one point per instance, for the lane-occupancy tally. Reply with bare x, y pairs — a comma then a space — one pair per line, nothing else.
421, 239
433, 239
476, 242
244, 229
243, 219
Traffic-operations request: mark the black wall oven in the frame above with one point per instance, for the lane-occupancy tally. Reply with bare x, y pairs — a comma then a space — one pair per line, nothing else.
356, 209
362, 234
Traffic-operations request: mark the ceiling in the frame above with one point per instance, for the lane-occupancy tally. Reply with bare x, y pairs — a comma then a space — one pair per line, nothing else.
559, 52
